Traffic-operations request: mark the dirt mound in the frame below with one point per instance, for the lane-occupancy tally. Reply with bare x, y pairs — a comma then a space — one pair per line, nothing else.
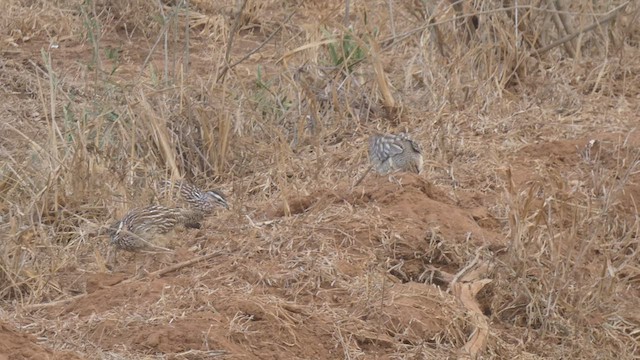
16, 345
295, 285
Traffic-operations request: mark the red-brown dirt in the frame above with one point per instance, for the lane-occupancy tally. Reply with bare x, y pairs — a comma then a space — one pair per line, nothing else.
17, 345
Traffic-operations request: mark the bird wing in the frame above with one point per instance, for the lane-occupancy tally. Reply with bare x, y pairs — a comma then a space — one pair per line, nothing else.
384, 147
416, 147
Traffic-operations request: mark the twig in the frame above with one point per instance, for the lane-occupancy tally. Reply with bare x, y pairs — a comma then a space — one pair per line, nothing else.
53, 303
228, 67
185, 60
261, 223
201, 353
563, 17
234, 29
562, 24
347, 5
184, 264
392, 21
612, 14
477, 341
464, 270
165, 27
165, 44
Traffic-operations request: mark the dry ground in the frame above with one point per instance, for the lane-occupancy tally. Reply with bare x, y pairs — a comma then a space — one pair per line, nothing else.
518, 241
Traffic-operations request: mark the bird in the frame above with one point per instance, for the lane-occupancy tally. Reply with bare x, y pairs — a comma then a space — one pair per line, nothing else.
144, 228
393, 152
389, 153
194, 197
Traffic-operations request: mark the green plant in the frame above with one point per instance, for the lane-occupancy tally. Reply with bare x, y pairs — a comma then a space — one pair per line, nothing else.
345, 51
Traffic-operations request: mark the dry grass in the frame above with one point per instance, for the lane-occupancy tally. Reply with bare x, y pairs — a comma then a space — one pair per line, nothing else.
520, 241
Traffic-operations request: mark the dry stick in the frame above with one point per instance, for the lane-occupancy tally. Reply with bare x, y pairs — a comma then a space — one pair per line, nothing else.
53, 303
232, 35
158, 273
347, 5
165, 36
165, 27
185, 60
391, 20
228, 67
161, 135
565, 23
394, 41
184, 264
477, 342
234, 29
563, 17
561, 27
466, 293
468, 267
392, 111
612, 14
436, 34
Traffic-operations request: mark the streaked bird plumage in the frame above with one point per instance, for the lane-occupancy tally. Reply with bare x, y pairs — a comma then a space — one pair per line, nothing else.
390, 153
139, 229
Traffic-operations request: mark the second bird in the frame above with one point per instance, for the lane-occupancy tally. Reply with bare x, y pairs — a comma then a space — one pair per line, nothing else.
389, 153
143, 229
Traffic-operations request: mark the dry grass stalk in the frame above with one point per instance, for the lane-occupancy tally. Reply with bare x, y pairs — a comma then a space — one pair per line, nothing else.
388, 100
607, 18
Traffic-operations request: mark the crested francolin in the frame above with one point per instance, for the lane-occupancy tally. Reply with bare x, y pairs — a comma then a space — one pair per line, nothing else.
144, 228
390, 153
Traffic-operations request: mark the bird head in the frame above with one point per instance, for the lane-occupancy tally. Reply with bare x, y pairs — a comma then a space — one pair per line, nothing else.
114, 230
213, 198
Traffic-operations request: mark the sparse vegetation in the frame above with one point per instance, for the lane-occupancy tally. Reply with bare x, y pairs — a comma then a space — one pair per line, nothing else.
520, 240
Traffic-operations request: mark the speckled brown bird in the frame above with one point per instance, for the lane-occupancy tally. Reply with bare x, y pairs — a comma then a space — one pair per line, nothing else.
389, 153
144, 228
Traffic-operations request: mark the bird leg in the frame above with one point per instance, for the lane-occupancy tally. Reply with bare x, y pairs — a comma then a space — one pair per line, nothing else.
395, 180
141, 270
111, 258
